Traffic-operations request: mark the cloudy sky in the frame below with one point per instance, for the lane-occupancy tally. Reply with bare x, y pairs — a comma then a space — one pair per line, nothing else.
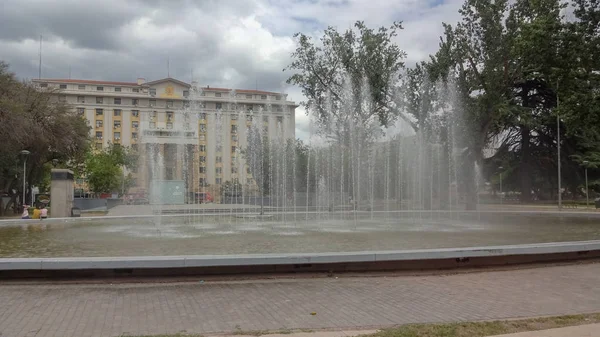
226, 43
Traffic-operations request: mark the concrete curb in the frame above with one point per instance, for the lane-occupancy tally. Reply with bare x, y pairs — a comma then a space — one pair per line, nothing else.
421, 256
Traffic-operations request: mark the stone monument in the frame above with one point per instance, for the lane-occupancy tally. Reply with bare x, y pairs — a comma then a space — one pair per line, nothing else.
61, 193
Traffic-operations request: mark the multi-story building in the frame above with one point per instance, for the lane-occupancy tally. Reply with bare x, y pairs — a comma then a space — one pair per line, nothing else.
182, 131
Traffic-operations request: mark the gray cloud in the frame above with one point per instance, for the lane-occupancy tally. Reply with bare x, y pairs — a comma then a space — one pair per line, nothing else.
243, 44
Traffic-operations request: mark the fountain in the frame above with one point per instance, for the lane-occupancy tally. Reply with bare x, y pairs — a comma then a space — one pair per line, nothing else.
353, 185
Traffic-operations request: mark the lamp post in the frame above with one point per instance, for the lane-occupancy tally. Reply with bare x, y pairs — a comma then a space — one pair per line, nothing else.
587, 194
24, 153
501, 195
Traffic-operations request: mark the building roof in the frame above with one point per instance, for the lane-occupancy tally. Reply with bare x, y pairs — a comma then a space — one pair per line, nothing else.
208, 88
243, 91
60, 80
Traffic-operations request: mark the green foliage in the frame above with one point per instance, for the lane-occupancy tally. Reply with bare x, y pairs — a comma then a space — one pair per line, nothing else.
365, 61
103, 169
34, 120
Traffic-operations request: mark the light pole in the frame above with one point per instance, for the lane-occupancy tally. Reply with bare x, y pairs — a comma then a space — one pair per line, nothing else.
587, 194
24, 153
501, 195
558, 146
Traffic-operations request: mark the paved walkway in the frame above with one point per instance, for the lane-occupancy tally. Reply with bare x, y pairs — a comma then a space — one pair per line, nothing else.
345, 303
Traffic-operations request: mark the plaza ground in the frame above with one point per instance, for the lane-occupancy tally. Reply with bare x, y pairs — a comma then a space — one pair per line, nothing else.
343, 303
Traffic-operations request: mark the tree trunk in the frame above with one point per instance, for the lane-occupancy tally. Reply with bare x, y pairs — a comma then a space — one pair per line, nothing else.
524, 167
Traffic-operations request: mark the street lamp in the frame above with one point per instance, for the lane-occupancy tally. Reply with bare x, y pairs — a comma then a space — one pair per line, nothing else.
501, 195
24, 153
587, 194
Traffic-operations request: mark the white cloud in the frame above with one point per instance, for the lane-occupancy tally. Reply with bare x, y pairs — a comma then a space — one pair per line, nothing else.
224, 43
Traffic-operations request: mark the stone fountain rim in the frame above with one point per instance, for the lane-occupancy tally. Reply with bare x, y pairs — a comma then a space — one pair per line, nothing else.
244, 260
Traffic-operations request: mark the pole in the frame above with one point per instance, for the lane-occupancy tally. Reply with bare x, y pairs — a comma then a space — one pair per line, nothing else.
24, 180
587, 194
558, 147
501, 195
558, 155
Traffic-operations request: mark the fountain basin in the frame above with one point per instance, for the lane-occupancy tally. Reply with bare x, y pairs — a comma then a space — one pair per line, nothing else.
423, 259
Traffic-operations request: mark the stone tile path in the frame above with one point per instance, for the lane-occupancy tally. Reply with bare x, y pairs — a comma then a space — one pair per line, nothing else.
45, 310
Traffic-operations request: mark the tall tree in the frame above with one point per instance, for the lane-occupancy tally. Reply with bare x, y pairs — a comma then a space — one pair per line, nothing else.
33, 119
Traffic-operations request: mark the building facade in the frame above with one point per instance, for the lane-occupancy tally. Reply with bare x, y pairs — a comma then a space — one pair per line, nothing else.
181, 131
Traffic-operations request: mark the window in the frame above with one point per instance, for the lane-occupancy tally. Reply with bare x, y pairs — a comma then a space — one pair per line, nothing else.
233, 148
250, 108
278, 98
234, 138
169, 125
263, 96
99, 123
135, 125
279, 109
279, 119
186, 93
135, 101
249, 118
202, 116
117, 124
99, 135
202, 137
219, 148
266, 119
99, 88
234, 170
152, 102
202, 159
233, 158
218, 170
63, 86
218, 181
248, 96
202, 148
62, 98
202, 181
81, 87
99, 100
80, 99
99, 112
234, 117
152, 125
153, 114
135, 113
117, 112
169, 104
202, 169
117, 136
248, 170
135, 89
80, 111
169, 115
218, 94
117, 89
203, 105
152, 92
134, 135
218, 105
219, 159
234, 129
43, 85
202, 127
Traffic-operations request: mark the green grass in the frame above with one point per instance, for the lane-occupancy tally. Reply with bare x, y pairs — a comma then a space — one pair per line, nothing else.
466, 329
482, 329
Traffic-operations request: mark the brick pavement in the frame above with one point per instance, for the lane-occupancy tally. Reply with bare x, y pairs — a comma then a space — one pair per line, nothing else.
46, 310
